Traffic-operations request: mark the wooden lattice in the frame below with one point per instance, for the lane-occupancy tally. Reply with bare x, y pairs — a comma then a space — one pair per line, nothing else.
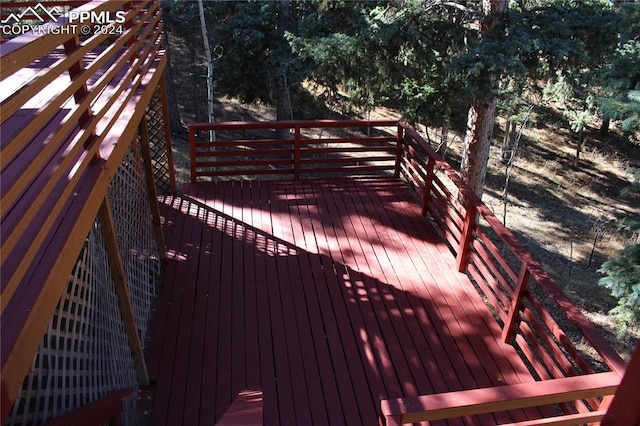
160, 147
134, 227
85, 353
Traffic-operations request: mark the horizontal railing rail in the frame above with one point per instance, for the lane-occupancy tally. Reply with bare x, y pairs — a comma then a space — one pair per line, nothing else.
309, 148
71, 104
535, 315
534, 312
460, 404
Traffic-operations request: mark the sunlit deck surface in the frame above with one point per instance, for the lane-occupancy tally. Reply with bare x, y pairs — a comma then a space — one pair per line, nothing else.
329, 295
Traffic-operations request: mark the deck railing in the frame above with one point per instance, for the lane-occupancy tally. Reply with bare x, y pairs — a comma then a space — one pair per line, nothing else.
75, 96
548, 330
312, 148
526, 300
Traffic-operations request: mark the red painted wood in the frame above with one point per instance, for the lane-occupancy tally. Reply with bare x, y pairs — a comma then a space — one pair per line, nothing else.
402, 279
198, 361
624, 409
434, 407
163, 299
186, 324
513, 316
360, 291
318, 303
339, 294
246, 410
310, 154
252, 352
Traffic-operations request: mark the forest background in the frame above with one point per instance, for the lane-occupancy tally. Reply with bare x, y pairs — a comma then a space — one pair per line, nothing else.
536, 102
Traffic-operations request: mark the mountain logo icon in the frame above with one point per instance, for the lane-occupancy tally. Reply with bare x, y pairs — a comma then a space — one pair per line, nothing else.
40, 12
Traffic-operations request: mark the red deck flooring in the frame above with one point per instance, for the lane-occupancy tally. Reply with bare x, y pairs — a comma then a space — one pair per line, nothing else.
327, 295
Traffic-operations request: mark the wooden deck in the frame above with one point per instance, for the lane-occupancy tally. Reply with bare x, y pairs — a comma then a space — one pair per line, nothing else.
327, 295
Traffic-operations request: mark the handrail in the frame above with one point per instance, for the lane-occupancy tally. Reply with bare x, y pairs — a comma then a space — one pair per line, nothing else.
469, 239
503, 280
304, 154
471, 402
71, 106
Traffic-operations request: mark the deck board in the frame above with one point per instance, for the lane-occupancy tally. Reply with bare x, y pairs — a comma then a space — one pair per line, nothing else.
327, 295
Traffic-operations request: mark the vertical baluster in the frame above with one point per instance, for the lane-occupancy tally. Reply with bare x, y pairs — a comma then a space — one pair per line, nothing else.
399, 149
296, 152
516, 302
466, 239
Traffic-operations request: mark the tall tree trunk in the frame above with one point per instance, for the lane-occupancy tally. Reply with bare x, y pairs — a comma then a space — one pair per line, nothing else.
207, 51
281, 86
604, 128
193, 68
508, 140
481, 118
477, 141
579, 143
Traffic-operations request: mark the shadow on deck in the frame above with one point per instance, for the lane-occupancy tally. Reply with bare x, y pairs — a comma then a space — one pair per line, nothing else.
328, 295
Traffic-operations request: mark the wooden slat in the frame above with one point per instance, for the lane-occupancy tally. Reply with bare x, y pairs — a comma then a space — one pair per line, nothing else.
338, 294
84, 149
455, 404
557, 331
119, 276
568, 420
318, 303
60, 248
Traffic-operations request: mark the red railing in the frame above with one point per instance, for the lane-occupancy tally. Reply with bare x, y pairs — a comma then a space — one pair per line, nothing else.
249, 148
71, 102
507, 275
535, 315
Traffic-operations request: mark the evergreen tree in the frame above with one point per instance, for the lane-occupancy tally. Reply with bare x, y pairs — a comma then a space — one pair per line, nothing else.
622, 273
257, 63
622, 102
481, 116
621, 80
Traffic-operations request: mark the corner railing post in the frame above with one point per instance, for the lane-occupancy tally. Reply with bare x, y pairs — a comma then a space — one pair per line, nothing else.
296, 152
399, 150
466, 239
518, 294
192, 153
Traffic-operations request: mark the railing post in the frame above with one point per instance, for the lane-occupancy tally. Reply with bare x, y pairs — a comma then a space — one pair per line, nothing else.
192, 154
399, 150
428, 182
296, 152
516, 302
462, 258
75, 70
